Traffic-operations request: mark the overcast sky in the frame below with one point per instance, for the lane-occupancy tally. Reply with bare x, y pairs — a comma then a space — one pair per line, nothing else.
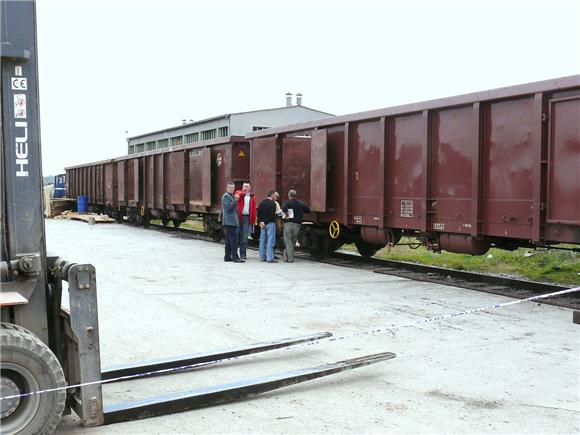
113, 69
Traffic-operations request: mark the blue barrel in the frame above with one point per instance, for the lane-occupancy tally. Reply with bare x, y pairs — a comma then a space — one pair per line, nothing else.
83, 204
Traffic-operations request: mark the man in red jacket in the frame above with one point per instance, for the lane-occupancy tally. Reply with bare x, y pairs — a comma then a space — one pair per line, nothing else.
246, 215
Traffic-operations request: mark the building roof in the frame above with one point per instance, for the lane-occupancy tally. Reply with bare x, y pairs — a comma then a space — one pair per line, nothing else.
213, 118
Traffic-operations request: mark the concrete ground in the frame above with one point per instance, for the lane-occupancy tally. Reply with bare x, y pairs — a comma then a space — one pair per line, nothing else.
514, 370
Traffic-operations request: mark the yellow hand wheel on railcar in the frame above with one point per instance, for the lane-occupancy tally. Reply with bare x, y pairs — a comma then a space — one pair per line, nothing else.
334, 229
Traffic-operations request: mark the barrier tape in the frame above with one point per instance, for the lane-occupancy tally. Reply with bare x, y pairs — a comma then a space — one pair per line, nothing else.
329, 339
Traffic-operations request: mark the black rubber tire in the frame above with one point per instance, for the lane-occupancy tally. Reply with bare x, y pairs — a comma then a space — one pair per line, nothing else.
12, 326
367, 250
38, 414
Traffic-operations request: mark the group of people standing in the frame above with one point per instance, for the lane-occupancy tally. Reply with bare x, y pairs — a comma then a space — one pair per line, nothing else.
240, 214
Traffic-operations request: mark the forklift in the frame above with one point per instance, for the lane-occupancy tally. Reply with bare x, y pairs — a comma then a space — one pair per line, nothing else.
49, 356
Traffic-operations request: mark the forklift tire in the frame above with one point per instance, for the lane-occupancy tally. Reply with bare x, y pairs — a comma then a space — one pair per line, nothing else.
27, 364
5, 325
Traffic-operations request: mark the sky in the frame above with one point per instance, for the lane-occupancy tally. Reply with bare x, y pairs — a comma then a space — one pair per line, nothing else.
113, 69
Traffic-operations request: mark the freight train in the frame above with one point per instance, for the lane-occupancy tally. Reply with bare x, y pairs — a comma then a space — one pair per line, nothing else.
496, 168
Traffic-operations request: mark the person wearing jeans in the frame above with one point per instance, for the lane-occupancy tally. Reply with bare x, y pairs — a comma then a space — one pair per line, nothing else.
230, 223
294, 211
246, 215
267, 220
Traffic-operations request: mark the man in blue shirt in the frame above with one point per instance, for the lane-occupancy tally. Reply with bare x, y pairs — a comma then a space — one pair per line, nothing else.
230, 223
267, 220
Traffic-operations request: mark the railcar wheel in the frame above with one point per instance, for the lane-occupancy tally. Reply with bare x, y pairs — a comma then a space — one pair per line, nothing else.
164, 221
176, 222
26, 365
146, 220
319, 248
335, 245
366, 249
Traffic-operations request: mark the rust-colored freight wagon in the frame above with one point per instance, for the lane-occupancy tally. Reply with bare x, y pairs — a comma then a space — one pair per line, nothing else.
168, 184
499, 168
94, 181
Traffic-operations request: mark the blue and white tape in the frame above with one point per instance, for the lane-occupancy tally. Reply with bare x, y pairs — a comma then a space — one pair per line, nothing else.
312, 343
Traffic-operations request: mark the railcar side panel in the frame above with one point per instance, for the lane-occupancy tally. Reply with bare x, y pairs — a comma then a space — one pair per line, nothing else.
296, 168
198, 158
177, 178
508, 150
263, 166
220, 159
110, 185
130, 181
406, 177
149, 182
365, 167
159, 181
563, 197
335, 183
121, 182
451, 177
240, 169
318, 170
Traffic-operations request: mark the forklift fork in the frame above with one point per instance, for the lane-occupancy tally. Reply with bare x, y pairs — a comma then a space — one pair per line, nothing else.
81, 361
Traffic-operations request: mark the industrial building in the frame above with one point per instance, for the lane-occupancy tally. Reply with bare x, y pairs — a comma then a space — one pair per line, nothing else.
231, 124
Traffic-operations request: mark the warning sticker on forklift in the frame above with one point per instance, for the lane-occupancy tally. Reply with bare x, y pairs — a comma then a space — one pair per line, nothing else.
20, 106
407, 208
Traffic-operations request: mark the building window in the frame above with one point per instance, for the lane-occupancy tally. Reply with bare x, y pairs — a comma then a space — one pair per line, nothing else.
150, 146
140, 147
222, 132
208, 134
193, 137
131, 149
177, 140
163, 143
256, 128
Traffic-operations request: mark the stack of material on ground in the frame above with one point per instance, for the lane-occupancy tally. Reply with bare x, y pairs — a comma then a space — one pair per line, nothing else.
86, 217
55, 206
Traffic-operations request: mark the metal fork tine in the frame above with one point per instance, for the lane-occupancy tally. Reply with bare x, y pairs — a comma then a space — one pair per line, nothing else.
218, 394
144, 367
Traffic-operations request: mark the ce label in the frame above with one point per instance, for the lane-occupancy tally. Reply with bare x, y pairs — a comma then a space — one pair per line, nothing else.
19, 84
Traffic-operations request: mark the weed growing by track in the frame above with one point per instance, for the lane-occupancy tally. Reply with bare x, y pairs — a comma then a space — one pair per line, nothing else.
561, 267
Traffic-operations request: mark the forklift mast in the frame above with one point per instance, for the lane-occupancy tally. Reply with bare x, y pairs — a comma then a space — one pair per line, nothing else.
23, 253
50, 357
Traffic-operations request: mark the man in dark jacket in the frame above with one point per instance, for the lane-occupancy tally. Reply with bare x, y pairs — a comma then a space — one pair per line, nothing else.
230, 223
246, 215
267, 221
294, 211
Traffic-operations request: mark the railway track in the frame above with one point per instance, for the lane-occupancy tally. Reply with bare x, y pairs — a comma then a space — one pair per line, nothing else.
494, 284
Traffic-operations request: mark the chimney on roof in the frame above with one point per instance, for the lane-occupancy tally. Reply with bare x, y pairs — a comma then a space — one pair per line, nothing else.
299, 99
288, 99
183, 121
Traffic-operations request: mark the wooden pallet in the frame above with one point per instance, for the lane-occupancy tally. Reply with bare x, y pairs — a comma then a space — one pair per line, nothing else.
85, 217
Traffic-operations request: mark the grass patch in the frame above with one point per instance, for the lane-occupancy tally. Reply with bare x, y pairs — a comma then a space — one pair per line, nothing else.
191, 224
560, 267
